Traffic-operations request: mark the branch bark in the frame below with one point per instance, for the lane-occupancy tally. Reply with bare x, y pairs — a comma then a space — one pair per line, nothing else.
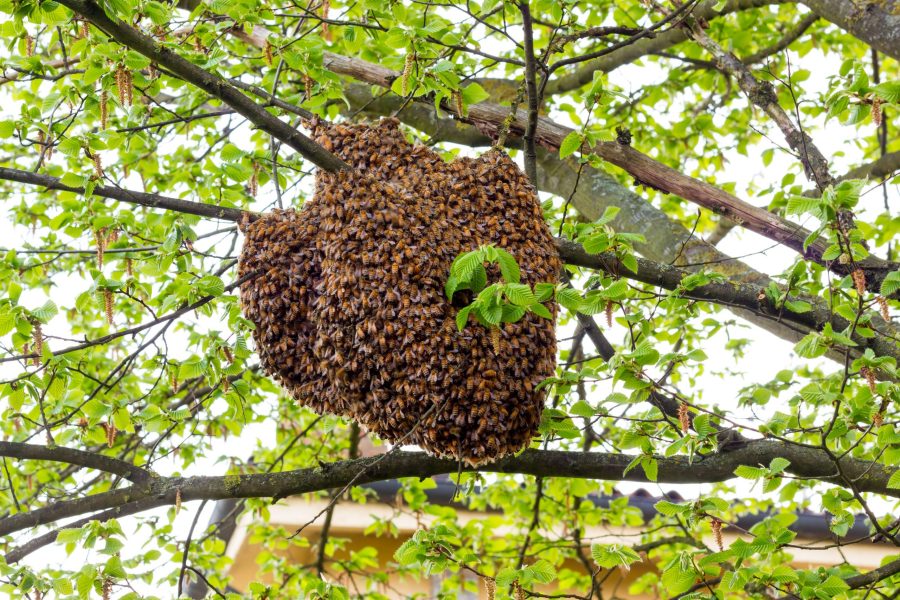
763, 95
728, 293
123, 195
73, 456
875, 23
806, 462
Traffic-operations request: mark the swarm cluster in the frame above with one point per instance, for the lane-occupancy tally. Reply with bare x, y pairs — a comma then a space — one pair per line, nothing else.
349, 305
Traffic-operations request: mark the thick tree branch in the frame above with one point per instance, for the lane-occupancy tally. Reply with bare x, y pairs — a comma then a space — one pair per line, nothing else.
884, 166
208, 82
728, 293
806, 462
875, 23
531, 89
72, 456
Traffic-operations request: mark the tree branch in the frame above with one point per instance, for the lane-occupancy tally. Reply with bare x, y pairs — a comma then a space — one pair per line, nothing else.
727, 293
531, 89
132, 197
875, 23
807, 462
705, 10
763, 95
72, 456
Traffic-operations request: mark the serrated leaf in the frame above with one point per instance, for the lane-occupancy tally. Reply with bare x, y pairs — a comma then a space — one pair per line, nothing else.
542, 571
113, 568
778, 465
509, 268
582, 409
473, 94
891, 283
610, 556
210, 285
541, 311
889, 91
669, 509
462, 317
748, 472
569, 298
811, 346
45, 312
520, 294
894, 482
464, 265
797, 306
570, 144
676, 581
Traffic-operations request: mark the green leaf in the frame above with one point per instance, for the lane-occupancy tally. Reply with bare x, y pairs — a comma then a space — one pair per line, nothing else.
69, 535
541, 571
506, 576
210, 285
582, 409
473, 94
597, 242
407, 553
7, 128
519, 294
7, 321
512, 313
669, 509
569, 298
113, 568
677, 581
748, 472
464, 265
833, 586
509, 268
797, 306
570, 144
610, 556
811, 346
541, 311
891, 283
45, 312
894, 482
889, 91
609, 213
778, 465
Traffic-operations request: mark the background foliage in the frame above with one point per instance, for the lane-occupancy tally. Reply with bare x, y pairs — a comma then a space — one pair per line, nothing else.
126, 362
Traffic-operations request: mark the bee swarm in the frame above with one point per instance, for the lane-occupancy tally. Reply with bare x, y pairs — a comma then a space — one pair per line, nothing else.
349, 305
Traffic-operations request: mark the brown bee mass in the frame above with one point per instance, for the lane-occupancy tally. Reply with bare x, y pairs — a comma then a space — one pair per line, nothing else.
349, 304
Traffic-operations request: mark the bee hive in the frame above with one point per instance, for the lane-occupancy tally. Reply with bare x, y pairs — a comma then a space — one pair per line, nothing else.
349, 305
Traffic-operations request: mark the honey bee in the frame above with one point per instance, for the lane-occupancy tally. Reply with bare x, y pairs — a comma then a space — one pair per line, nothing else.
371, 242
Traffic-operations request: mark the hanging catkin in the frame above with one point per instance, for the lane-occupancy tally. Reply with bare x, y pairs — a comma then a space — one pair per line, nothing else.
350, 310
